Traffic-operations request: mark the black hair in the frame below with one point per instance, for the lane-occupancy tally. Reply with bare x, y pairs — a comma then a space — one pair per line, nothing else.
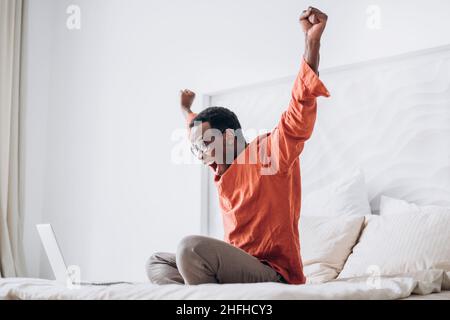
219, 118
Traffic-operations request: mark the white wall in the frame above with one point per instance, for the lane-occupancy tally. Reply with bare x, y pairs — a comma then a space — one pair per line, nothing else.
101, 105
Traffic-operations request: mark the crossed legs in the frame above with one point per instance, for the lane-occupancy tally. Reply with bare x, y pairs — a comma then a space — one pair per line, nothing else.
201, 259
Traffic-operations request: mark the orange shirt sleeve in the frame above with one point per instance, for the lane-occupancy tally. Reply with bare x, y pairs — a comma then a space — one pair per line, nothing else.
297, 122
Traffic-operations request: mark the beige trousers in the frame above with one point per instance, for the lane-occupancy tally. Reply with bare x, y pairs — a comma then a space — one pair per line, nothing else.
202, 259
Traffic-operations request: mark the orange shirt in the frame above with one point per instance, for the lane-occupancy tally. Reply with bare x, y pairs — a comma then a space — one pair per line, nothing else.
260, 193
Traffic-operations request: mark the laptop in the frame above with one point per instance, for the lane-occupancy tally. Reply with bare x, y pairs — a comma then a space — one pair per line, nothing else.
68, 276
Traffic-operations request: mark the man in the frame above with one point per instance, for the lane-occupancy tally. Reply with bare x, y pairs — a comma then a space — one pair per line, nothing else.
260, 208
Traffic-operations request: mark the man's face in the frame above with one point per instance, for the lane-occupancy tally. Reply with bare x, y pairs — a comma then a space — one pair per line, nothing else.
209, 145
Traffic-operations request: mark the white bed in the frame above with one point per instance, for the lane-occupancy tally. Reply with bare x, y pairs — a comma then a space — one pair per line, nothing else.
443, 295
344, 257
391, 288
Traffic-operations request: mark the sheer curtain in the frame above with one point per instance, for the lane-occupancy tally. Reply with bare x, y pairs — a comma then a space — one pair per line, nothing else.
10, 217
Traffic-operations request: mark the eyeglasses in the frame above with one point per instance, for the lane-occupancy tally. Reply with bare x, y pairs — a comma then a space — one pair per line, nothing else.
202, 151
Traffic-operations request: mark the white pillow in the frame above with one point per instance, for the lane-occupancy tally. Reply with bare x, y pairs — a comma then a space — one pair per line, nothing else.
326, 243
396, 243
344, 197
389, 206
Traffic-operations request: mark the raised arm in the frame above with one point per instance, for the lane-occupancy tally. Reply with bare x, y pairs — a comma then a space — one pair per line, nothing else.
297, 122
187, 97
313, 22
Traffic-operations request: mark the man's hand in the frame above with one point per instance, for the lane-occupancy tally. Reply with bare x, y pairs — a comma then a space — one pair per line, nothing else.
313, 22
187, 98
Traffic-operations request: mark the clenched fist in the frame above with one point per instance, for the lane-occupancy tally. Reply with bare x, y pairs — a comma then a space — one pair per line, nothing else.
313, 22
187, 98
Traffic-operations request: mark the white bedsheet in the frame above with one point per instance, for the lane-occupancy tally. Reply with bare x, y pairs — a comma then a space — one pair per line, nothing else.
443, 295
354, 288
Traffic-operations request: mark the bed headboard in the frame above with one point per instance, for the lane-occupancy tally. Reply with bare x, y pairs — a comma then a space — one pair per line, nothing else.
389, 117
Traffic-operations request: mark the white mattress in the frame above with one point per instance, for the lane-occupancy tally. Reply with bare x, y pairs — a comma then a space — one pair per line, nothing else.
444, 295
356, 288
